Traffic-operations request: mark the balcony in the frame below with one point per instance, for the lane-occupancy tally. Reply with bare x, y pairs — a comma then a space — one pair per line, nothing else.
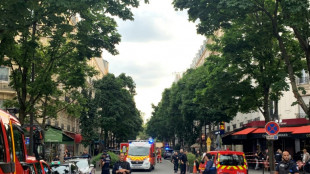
302, 80
4, 87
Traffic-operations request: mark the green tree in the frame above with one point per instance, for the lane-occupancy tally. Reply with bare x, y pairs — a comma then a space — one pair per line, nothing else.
47, 43
287, 22
118, 115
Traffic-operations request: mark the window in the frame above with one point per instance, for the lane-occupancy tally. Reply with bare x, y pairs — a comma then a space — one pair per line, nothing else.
56, 123
241, 124
19, 144
2, 152
9, 136
45, 167
39, 169
228, 128
73, 129
68, 127
4, 74
62, 126
49, 122
234, 126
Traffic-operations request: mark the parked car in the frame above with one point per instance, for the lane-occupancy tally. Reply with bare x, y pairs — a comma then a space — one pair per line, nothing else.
229, 162
38, 167
83, 165
66, 168
168, 153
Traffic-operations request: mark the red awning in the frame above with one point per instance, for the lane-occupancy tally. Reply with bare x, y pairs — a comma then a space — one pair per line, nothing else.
78, 138
302, 130
282, 129
245, 131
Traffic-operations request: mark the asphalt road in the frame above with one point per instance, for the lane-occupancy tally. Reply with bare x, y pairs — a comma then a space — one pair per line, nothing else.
166, 167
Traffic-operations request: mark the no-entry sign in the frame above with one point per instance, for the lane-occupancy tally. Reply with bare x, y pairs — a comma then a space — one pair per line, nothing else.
272, 128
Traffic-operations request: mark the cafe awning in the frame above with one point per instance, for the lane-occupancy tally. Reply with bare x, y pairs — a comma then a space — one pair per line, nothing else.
52, 135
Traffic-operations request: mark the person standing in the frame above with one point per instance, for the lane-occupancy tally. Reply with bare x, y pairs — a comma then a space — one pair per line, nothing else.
197, 162
202, 164
85, 154
278, 156
305, 156
122, 166
183, 161
175, 161
105, 163
209, 164
286, 166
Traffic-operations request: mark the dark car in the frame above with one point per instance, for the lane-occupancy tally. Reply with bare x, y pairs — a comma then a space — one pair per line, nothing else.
168, 153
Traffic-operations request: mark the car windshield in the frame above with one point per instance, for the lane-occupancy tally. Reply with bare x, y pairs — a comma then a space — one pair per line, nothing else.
60, 169
231, 160
138, 151
81, 164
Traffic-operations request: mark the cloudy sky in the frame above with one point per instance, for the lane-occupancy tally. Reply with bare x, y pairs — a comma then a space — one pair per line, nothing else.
156, 45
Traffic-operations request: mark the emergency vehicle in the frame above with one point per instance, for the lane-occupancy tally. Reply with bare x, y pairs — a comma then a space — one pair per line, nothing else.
12, 146
229, 162
141, 154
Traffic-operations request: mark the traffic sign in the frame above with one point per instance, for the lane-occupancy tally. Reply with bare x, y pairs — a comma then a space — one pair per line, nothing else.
272, 137
272, 128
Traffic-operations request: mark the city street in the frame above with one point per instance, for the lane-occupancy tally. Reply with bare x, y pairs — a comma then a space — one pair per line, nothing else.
166, 167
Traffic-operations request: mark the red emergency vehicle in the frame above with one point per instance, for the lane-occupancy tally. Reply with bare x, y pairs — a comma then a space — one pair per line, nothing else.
141, 154
12, 146
229, 162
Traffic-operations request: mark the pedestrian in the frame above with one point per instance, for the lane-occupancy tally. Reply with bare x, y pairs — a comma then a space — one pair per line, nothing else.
256, 157
85, 154
158, 155
67, 154
122, 166
175, 161
286, 165
56, 158
183, 161
209, 164
202, 164
305, 156
278, 156
105, 163
197, 161
300, 166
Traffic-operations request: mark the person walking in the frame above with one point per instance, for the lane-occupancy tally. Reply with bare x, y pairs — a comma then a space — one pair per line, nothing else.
105, 163
286, 166
305, 156
122, 166
175, 161
183, 161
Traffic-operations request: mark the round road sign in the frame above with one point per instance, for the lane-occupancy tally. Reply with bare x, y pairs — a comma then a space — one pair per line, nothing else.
272, 128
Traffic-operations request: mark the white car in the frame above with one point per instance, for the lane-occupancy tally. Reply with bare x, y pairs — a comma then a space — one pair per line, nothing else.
83, 164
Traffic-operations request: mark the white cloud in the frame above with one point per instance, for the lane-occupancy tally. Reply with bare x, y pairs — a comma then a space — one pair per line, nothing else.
158, 43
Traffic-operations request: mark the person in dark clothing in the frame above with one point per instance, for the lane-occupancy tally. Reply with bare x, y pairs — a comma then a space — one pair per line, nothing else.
286, 166
183, 161
197, 161
122, 166
175, 161
86, 155
278, 156
105, 163
208, 168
